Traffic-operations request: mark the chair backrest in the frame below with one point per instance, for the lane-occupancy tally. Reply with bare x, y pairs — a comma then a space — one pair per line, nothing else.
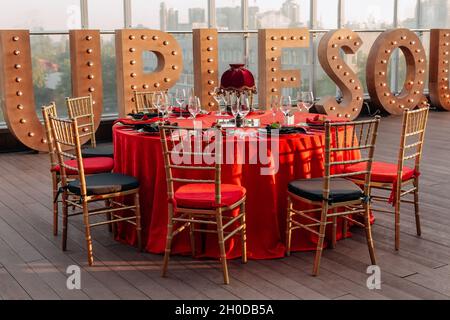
349, 143
186, 150
66, 137
413, 135
143, 101
47, 112
83, 109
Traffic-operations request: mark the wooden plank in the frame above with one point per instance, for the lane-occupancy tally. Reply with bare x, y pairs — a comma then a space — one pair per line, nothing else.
24, 275
340, 275
285, 282
300, 272
21, 247
39, 235
176, 288
11, 289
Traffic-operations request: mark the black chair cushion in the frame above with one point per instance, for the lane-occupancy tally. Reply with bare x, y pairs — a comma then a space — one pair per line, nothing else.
104, 183
312, 189
104, 150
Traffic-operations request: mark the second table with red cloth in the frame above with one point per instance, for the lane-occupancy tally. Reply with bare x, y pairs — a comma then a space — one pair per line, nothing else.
300, 156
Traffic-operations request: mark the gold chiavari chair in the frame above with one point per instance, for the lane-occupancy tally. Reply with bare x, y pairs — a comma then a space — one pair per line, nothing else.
83, 108
84, 190
332, 192
91, 165
396, 177
48, 111
143, 101
197, 202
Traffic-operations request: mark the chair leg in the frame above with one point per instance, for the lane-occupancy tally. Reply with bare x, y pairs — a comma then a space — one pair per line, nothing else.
368, 229
243, 233
416, 206
323, 221
223, 256
168, 240
138, 220
112, 218
334, 231
344, 227
88, 233
288, 226
108, 214
192, 236
65, 216
55, 203
397, 220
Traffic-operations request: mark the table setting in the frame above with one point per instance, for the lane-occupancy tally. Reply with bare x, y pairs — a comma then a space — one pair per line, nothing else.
300, 140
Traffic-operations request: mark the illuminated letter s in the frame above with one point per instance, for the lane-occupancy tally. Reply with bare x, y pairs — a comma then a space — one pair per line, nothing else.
344, 77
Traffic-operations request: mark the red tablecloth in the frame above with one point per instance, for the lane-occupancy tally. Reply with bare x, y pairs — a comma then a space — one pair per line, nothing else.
301, 156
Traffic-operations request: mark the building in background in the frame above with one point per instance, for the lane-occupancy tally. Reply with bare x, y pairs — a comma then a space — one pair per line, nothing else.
229, 18
435, 13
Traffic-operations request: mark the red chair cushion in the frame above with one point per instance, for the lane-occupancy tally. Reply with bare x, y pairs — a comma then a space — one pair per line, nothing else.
202, 195
91, 165
381, 172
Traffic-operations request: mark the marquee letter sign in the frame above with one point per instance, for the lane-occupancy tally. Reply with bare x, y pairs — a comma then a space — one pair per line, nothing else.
130, 44
205, 65
271, 78
377, 67
17, 89
17, 81
86, 68
439, 68
343, 76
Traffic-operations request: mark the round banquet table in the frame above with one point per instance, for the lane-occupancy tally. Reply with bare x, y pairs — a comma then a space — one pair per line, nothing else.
300, 156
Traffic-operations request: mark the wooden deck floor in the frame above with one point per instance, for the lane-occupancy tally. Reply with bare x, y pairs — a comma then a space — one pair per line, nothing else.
32, 265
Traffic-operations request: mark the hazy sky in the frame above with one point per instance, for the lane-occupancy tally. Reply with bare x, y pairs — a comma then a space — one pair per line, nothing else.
108, 14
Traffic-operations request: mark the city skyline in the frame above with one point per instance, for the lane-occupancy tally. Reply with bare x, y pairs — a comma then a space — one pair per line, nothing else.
356, 14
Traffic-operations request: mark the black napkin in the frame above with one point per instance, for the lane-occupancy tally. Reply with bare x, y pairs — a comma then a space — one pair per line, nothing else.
141, 115
148, 127
286, 130
152, 127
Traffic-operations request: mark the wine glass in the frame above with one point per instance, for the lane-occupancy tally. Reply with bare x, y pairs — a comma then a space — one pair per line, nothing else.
169, 105
217, 95
305, 99
162, 104
226, 102
235, 101
194, 106
285, 106
157, 101
244, 107
180, 97
274, 106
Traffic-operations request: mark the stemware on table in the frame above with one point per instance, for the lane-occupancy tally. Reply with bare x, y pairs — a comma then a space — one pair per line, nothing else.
244, 107
305, 100
285, 107
169, 104
158, 103
235, 102
274, 105
218, 97
194, 106
180, 98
